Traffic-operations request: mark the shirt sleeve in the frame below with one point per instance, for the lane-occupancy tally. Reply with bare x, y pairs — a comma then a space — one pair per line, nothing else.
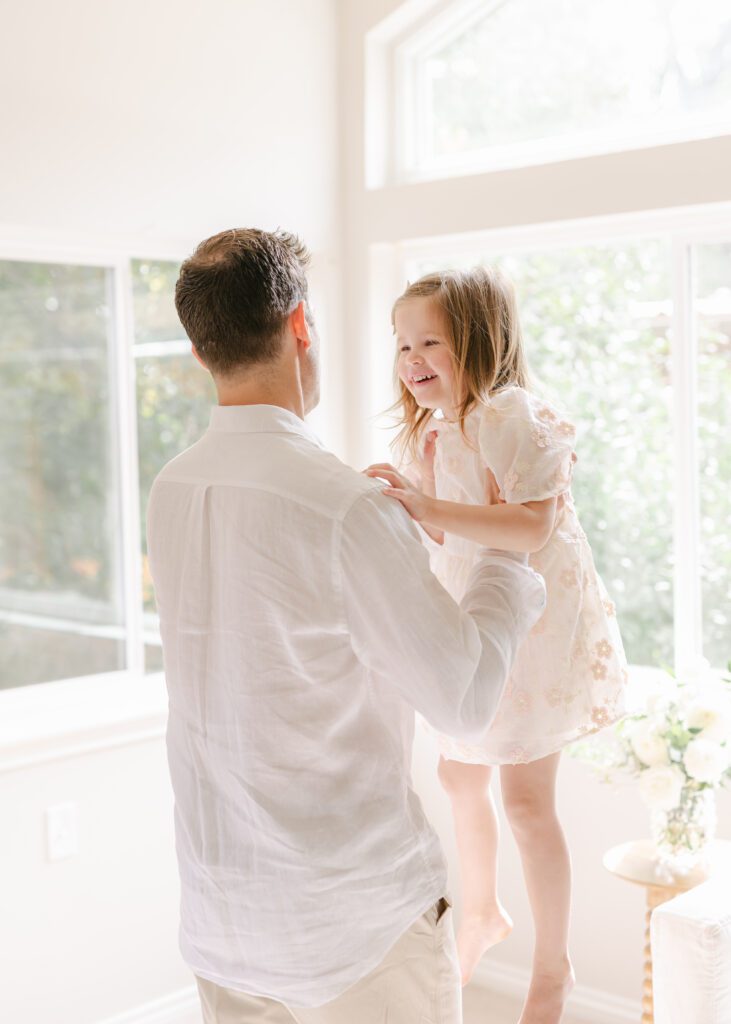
450, 662
527, 445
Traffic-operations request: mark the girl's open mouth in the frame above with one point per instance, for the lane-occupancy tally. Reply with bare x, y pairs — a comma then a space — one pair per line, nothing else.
423, 378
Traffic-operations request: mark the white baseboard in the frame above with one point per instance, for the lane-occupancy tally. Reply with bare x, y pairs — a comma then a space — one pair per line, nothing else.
585, 1006
181, 1007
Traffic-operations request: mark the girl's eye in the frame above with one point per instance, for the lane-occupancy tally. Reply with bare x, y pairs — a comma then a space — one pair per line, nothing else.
404, 348
432, 341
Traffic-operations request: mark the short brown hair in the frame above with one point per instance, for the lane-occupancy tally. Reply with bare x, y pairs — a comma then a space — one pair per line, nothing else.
483, 326
234, 294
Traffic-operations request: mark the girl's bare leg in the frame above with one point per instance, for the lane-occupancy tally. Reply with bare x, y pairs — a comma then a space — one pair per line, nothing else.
484, 922
529, 792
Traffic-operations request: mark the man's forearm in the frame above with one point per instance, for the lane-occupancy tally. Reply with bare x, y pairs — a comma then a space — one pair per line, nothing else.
504, 598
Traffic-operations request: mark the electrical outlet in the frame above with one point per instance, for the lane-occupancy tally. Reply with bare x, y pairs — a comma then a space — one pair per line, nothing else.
61, 831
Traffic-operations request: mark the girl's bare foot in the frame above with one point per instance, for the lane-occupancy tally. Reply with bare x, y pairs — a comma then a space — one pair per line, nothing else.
477, 933
547, 996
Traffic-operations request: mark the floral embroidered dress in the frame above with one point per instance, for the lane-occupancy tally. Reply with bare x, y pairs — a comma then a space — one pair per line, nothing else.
570, 675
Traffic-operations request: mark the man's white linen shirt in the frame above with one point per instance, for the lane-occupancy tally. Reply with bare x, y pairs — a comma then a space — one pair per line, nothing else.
301, 626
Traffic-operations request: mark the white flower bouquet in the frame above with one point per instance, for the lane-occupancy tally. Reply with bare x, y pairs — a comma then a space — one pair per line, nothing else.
679, 748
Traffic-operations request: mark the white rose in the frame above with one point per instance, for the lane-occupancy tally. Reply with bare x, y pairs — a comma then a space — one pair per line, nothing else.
697, 674
705, 760
657, 703
655, 691
660, 787
649, 746
712, 715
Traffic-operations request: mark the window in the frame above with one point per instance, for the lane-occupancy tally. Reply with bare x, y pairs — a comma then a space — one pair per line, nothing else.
601, 324
61, 582
71, 602
502, 83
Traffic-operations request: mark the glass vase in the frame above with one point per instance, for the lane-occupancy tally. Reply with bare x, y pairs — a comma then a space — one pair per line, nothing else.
682, 835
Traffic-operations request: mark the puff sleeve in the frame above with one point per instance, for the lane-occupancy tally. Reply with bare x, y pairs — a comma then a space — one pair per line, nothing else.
527, 445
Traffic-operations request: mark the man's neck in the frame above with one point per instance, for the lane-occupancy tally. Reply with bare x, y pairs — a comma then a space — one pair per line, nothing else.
286, 395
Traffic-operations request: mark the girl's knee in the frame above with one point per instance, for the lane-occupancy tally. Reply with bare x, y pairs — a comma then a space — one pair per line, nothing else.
528, 811
463, 780
529, 795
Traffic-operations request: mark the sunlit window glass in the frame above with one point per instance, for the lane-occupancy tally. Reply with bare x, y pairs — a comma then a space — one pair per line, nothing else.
61, 601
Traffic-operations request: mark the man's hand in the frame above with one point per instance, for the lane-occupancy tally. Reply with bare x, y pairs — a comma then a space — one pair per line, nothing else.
415, 503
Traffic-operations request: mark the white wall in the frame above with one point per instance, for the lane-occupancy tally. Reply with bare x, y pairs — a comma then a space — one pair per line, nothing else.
92, 936
147, 126
171, 118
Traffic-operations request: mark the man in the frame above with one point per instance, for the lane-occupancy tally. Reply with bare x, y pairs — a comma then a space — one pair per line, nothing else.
301, 627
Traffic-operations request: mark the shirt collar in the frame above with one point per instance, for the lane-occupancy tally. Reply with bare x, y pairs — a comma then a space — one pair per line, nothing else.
259, 419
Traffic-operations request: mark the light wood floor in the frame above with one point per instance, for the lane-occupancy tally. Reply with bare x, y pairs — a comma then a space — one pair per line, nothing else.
483, 1007
480, 1007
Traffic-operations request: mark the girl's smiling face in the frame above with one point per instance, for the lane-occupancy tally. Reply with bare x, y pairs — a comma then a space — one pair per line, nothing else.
425, 364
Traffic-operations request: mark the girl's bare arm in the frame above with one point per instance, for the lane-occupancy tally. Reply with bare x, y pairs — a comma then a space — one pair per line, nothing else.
524, 527
428, 488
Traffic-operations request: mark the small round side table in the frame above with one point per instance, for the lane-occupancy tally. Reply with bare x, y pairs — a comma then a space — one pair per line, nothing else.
635, 862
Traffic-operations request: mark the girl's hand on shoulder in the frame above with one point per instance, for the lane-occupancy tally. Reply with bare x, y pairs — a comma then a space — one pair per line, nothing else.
414, 501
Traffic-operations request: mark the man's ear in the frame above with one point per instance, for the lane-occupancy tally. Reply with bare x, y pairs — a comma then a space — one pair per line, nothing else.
197, 354
298, 321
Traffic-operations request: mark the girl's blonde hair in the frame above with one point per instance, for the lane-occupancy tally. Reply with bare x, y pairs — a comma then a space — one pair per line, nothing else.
483, 329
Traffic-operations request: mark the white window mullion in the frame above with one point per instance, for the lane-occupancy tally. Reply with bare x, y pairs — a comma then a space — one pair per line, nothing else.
687, 584
386, 281
128, 469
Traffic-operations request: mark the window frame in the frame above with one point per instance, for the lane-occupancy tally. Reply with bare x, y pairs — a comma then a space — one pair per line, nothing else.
397, 57
116, 686
683, 229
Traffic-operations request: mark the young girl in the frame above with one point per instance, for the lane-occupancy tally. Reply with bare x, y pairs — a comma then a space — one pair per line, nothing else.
495, 470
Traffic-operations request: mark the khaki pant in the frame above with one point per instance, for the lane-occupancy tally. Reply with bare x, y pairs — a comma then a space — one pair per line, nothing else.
418, 982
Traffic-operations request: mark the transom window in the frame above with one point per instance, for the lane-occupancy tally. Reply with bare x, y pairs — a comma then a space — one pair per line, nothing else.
499, 83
